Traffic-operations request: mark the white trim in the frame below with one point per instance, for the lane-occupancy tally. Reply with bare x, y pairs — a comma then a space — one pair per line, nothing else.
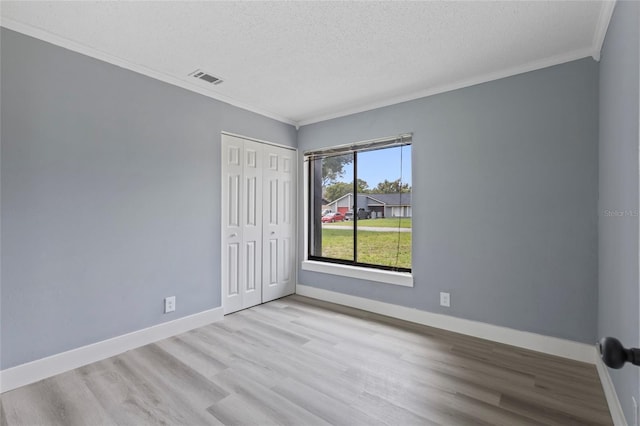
30, 372
617, 415
522, 339
606, 11
532, 66
140, 69
279, 145
306, 170
404, 279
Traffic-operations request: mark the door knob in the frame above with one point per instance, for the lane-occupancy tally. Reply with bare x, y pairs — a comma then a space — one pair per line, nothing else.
233, 235
273, 232
614, 355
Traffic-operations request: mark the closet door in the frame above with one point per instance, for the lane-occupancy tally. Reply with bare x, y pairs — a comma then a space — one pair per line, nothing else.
258, 226
279, 223
241, 261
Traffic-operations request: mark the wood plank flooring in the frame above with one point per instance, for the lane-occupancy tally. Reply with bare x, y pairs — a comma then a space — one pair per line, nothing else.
297, 361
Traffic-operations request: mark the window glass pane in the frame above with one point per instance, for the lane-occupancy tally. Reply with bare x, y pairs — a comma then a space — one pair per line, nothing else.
384, 207
367, 223
332, 203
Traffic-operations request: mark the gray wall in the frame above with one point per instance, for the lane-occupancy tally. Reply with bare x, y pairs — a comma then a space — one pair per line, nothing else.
618, 304
504, 200
110, 194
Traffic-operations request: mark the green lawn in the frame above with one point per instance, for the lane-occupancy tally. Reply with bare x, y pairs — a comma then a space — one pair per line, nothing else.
373, 247
387, 222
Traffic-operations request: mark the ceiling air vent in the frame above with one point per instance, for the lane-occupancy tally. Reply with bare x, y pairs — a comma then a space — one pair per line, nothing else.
206, 77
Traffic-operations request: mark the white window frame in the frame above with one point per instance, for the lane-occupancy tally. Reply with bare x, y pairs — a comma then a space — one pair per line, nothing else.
404, 279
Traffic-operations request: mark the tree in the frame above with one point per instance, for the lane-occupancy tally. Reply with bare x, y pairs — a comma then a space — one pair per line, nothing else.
338, 189
333, 168
392, 187
363, 186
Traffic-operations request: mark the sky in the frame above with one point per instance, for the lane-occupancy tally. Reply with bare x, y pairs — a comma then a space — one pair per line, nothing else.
376, 166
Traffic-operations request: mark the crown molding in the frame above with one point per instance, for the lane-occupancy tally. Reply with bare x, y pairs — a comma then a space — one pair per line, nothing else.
140, 69
606, 11
521, 69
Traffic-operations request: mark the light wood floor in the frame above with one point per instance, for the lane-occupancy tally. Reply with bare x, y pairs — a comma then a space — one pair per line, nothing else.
297, 361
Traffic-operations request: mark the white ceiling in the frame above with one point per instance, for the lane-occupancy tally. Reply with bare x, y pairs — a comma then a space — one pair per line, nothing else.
302, 62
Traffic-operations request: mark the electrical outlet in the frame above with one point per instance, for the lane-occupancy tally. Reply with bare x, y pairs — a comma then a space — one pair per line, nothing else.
445, 299
169, 304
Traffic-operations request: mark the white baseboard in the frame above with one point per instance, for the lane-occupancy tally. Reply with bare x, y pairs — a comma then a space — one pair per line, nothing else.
522, 339
30, 372
610, 393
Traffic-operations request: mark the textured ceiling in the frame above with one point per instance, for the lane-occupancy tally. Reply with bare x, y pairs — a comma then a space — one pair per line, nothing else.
302, 62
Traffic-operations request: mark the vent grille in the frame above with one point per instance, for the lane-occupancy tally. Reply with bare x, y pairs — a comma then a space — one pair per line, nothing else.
202, 75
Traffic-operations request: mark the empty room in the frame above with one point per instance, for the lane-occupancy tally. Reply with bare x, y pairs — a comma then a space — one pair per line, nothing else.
206, 213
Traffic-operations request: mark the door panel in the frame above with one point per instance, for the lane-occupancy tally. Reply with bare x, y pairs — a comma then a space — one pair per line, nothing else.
286, 200
234, 269
231, 230
251, 266
234, 200
273, 262
278, 229
252, 225
273, 201
252, 216
286, 259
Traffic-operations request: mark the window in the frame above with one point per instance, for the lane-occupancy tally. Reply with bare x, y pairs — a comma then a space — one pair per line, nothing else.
359, 204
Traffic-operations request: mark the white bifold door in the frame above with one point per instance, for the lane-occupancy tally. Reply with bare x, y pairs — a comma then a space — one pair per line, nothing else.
258, 224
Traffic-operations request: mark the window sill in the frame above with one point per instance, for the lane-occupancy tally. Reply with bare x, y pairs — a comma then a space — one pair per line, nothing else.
404, 279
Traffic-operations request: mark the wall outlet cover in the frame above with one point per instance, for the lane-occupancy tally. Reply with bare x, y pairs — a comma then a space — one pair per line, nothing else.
169, 304
445, 299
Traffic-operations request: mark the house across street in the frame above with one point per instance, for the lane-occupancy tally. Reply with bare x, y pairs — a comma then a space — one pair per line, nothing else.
380, 205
